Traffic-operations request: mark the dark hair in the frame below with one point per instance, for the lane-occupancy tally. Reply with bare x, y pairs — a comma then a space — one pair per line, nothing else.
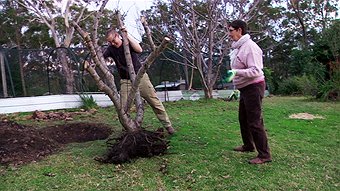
239, 24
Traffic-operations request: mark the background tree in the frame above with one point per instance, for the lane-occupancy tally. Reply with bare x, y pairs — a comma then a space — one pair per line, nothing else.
35, 32
46, 12
13, 19
197, 28
52, 15
287, 31
327, 51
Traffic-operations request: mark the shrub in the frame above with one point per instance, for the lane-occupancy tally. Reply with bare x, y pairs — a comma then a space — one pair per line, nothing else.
330, 90
299, 85
88, 102
288, 87
269, 78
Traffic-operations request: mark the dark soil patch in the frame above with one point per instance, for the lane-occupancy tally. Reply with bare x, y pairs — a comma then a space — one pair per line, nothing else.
21, 144
77, 132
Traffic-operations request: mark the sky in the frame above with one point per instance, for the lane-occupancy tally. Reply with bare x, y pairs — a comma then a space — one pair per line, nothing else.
130, 7
133, 9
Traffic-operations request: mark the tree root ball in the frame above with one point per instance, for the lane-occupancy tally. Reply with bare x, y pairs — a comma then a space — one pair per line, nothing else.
131, 145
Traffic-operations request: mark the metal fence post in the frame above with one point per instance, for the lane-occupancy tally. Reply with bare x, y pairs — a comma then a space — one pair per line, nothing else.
3, 74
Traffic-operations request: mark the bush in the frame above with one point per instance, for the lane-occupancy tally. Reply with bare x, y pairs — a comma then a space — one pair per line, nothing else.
288, 87
269, 78
330, 90
88, 102
308, 85
299, 85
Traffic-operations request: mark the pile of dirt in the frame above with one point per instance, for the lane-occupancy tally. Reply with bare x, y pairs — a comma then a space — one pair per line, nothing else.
21, 144
61, 115
305, 116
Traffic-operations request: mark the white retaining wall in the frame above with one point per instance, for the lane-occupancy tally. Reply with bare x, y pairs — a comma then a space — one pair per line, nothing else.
52, 102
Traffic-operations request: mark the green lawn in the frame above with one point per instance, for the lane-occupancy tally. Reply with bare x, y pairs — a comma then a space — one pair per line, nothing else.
305, 153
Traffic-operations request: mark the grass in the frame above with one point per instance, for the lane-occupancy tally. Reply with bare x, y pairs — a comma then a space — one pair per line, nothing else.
305, 153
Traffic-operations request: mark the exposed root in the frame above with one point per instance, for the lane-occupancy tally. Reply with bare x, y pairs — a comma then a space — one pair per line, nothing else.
132, 145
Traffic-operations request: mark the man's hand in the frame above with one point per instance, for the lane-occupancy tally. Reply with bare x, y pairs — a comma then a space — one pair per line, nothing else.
123, 29
230, 76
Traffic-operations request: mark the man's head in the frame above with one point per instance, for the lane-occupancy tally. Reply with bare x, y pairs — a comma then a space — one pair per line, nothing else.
237, 29
113, 38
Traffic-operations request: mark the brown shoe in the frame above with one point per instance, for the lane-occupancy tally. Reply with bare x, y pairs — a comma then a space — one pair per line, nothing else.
258, 160
242, 149
170, 130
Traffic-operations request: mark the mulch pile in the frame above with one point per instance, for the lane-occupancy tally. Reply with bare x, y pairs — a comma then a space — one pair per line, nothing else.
21, 144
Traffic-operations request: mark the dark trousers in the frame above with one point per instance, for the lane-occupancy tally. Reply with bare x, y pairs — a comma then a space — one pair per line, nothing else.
251, 120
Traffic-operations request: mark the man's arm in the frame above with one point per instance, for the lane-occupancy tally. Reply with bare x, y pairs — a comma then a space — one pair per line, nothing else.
133, 42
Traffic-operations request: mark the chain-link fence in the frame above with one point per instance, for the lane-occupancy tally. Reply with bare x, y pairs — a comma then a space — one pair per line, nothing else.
33, 72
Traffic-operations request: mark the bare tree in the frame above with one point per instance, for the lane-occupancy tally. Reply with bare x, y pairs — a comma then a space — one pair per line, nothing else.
198, 30
202, 39
135, 141
47, 13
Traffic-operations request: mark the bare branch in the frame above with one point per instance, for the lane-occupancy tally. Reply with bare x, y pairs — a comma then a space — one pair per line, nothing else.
132, 94
98, 59
67, 13
148, 32
180, 62
253, 8
96, 18
32, 7
126, 47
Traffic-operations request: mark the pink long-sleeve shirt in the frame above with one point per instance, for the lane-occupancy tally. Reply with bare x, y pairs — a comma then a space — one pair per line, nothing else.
248, 65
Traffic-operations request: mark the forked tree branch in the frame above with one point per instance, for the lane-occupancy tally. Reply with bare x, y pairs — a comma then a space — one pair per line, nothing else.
110, 88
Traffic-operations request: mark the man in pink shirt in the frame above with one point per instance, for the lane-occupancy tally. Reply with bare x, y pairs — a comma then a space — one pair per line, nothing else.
247, 75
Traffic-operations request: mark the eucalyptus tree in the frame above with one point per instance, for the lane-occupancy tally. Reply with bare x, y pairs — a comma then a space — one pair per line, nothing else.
302, 23
305, 16
283, 28
13, 20
57, 17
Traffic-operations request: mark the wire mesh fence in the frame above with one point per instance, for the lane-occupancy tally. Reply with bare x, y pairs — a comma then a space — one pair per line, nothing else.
34, 72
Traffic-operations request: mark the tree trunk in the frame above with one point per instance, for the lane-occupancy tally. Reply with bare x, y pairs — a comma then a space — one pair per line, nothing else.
208, 92
67, 71
18, 42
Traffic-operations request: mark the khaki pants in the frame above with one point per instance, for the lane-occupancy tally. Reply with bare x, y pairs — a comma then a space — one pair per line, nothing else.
148, 92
